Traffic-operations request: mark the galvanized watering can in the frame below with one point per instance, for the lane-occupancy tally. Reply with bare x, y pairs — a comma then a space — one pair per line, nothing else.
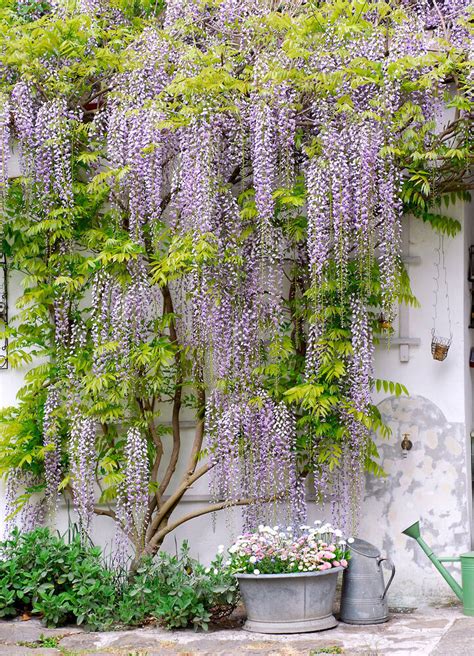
364, 593
464, 593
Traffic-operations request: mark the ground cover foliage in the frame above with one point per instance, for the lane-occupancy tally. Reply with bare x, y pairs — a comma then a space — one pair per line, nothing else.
208, 217
64, 581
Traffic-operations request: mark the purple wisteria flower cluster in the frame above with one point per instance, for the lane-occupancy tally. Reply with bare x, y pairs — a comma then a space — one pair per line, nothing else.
52, 147
25, 516
4, 142
52, 443
347, 480
252, 451
83, 467
278, 550
132, 500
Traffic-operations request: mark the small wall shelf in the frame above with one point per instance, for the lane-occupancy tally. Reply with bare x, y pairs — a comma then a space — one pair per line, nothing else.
398, 341
411, 259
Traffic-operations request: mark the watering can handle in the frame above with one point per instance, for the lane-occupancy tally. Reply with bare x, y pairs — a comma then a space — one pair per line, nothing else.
392, 566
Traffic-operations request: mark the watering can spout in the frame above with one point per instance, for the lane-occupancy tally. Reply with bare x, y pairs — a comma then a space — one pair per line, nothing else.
413, 531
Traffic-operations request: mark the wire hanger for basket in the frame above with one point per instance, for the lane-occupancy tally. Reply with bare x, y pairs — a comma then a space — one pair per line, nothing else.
440, 345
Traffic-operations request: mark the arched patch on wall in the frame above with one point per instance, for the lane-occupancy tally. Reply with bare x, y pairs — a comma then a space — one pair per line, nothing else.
430, 484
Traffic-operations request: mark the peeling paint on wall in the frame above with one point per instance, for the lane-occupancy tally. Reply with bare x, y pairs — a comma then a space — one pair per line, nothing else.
429, 484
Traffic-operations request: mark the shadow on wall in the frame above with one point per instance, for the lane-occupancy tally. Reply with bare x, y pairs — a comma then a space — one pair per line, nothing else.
430, 484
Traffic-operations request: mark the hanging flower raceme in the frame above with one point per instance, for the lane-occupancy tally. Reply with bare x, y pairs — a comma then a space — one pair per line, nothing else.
93, 6
122, 316
285, 121
52, 443
52, 148
353, 206
264, 159
83, 466
353, 210
4, 142
132, 500
140, 303
31, 513
361, 364
136, 144
448, 18
101, 301
187, 11
360, 368
24, 112
197, 169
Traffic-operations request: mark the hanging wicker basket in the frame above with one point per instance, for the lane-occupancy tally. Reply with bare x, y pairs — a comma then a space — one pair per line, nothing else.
384, 323
440, 347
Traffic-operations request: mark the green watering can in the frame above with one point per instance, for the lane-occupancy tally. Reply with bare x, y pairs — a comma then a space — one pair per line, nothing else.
464, 593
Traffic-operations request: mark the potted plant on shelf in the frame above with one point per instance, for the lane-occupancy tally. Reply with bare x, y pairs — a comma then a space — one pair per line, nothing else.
288, 579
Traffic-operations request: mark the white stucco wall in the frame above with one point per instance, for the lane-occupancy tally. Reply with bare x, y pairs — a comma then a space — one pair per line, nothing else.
433, 482
442, 382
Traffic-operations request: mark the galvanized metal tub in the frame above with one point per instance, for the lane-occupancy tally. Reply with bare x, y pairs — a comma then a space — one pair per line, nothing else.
289, 603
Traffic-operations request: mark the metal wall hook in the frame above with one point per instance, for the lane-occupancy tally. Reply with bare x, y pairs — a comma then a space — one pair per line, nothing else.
406, 444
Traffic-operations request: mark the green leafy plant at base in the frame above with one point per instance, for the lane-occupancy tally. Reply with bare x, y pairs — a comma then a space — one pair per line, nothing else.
62, 582
69, 582
178, 591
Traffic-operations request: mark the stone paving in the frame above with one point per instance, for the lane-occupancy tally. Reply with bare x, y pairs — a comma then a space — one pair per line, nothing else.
421, 632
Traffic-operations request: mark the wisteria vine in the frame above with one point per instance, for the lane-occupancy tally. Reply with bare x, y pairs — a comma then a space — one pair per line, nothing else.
194, 147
